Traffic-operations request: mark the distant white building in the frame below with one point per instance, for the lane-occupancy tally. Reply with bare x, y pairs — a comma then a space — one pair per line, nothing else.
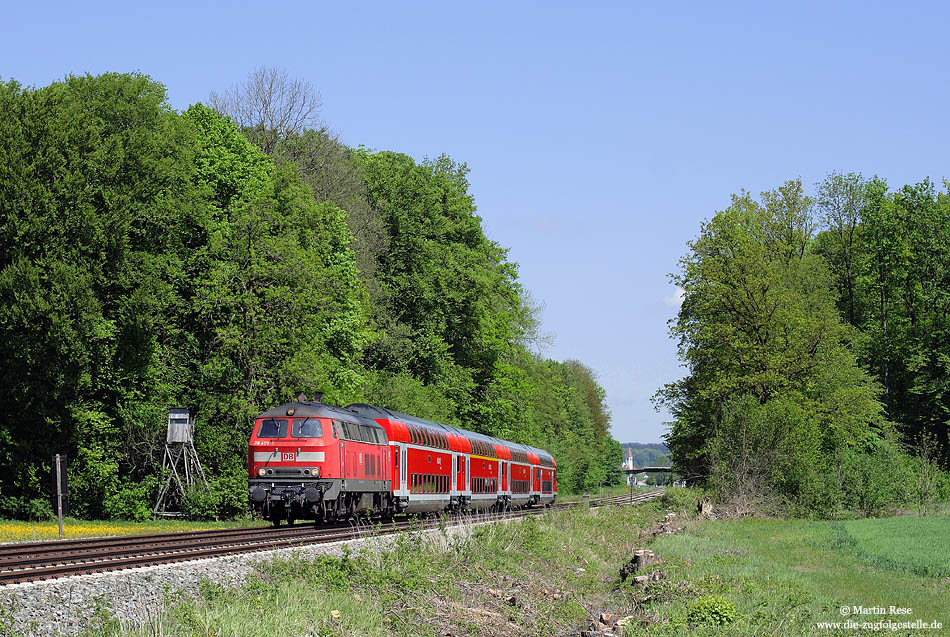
628, 463
633, 479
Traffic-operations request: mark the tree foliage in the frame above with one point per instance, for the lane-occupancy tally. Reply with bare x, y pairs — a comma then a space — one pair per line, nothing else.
780, 383
899, 262
95, 188
150, 258
774, 389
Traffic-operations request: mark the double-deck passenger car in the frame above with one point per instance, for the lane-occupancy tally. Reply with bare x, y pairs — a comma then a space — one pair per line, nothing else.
310, 460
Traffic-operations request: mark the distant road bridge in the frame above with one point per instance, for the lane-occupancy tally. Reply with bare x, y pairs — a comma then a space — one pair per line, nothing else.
632, 472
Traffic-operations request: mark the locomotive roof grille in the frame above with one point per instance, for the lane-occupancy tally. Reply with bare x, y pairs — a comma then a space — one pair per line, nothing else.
319, 410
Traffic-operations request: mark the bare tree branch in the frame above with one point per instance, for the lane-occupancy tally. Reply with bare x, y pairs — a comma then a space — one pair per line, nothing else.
270, 106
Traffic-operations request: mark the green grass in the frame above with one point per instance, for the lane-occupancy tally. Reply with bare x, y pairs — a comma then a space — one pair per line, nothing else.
555, 573
918, 545
783, 576
537, 576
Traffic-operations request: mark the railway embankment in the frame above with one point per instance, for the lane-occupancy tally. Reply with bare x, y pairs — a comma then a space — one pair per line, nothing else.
189, 596
143, 599
658, 568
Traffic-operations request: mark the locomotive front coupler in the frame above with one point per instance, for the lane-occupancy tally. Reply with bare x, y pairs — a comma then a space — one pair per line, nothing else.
291, 494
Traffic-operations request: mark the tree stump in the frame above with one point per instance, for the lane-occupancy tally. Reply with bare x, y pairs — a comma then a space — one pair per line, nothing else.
704, 507
641, 559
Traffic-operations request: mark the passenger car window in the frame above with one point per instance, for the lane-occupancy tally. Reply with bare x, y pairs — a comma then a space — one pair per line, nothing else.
272, 428
306, 428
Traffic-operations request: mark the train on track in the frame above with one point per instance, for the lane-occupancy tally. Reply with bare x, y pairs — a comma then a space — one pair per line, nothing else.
308, 460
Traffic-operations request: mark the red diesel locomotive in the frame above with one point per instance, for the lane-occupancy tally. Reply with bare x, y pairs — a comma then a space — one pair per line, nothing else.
310, 460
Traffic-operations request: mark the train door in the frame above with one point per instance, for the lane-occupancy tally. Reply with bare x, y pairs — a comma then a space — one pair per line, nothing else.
402, 465
468, 473
459, 472
536, 482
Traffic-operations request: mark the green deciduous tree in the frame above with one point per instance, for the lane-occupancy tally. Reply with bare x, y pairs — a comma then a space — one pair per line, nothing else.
95, 180
890, 253
450, 297
759, 325
278, 305
150, 258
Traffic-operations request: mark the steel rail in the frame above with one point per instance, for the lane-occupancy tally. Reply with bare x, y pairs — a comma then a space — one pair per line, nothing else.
46, 560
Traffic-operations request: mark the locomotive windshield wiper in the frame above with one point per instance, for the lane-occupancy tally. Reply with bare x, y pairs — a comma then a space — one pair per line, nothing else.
308, 428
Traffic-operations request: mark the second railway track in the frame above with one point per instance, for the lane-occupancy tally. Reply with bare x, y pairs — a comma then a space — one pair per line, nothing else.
26, 562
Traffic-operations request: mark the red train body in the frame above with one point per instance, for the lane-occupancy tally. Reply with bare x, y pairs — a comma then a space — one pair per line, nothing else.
310, 460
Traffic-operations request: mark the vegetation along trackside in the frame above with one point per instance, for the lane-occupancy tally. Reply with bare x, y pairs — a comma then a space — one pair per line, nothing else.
152, 258
814, 330
541, 575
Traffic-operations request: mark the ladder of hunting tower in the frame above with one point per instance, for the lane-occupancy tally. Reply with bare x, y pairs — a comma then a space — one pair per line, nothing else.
180, 463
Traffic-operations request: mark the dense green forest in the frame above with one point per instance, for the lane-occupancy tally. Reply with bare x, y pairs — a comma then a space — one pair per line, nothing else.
816, 331
225, 258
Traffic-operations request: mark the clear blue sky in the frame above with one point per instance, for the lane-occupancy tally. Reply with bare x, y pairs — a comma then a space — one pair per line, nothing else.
599, 136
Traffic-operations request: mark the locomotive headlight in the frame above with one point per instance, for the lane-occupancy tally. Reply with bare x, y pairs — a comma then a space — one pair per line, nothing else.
260, 472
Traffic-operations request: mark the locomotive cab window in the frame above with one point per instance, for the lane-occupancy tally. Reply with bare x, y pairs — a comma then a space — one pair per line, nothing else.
272, 428
306, 428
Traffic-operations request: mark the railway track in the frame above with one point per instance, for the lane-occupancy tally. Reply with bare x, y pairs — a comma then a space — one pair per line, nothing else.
33, 561
628, 498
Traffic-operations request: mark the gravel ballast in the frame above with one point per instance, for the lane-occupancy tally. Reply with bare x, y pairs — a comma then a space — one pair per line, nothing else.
139, 596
